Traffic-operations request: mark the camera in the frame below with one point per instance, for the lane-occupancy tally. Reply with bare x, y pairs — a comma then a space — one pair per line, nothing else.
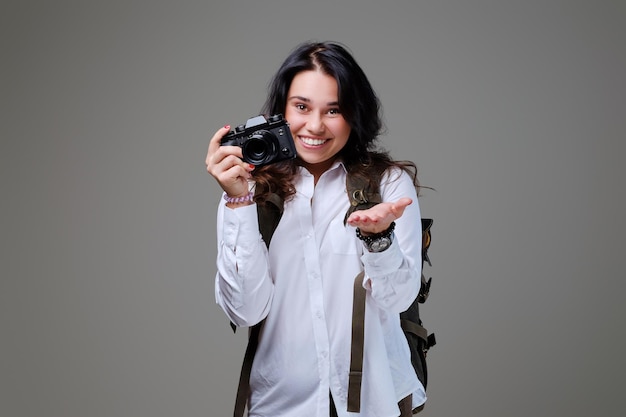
263, 140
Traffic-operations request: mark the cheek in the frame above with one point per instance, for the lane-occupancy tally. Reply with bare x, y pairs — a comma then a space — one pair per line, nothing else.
294, 121
342, 129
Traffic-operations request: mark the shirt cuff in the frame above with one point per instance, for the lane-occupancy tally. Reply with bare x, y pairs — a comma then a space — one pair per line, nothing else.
240, 225
383, 263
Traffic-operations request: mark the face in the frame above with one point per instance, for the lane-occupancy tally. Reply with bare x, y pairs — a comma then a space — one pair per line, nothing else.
318, 127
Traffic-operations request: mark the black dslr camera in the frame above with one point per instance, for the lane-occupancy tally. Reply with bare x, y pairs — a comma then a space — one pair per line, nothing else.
263, 141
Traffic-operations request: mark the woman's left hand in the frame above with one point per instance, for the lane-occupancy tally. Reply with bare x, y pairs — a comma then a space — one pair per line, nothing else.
378, 218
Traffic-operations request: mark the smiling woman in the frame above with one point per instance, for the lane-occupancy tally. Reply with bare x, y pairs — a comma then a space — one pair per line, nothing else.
304, 280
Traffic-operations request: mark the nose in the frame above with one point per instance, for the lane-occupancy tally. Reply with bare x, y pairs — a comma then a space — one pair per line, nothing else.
315, 124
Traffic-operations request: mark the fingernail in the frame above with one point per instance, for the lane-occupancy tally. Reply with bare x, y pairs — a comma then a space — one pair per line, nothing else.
226, 126
251, 166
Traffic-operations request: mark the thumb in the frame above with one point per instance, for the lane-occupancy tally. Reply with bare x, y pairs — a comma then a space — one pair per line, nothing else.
398, 207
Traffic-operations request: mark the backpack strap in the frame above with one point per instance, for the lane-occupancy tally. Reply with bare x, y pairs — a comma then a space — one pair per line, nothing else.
363, 194
269, 214
243, 389
356, 346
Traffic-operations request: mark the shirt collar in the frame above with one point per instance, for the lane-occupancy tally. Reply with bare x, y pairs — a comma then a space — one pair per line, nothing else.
338, 163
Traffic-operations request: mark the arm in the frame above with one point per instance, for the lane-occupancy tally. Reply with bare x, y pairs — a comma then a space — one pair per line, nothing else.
393, 276
243, 286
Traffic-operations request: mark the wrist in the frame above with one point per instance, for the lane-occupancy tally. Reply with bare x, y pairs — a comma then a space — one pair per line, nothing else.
242, 200
377, 242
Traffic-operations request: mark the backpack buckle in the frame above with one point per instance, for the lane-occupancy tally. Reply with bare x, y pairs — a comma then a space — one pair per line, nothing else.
358, 197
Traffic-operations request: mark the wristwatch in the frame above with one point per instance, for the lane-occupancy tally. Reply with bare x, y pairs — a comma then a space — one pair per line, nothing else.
378, 242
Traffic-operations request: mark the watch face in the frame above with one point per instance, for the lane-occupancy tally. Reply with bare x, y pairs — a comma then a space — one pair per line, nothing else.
380, 244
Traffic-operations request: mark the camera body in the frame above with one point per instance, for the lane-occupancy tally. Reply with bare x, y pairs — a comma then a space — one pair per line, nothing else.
263, 140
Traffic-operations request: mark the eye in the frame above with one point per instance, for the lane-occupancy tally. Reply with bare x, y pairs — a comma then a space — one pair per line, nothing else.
334, 111
300, 106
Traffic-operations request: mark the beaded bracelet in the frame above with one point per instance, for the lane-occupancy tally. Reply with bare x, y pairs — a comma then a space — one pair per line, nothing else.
235, 200
370, 238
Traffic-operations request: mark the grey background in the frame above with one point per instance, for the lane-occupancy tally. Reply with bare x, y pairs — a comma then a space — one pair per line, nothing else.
513, 110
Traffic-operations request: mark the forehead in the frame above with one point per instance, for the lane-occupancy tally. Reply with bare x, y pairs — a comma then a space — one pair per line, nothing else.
315, 86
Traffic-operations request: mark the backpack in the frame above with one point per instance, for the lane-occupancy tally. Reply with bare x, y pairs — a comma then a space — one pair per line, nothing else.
363, 193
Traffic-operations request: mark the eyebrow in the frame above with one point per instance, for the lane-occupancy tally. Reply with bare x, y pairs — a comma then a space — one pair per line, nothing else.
307, 100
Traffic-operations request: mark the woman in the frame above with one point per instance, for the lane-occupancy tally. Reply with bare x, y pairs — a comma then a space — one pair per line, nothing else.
302, 286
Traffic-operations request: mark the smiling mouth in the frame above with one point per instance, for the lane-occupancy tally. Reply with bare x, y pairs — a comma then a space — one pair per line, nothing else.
312, 141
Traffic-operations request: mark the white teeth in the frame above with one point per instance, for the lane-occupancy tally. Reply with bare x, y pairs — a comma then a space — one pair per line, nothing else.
311, 141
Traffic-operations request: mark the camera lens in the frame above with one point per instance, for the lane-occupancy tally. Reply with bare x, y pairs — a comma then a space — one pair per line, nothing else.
260, 148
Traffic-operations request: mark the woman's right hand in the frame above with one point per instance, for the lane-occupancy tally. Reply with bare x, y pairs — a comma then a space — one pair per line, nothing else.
224, 163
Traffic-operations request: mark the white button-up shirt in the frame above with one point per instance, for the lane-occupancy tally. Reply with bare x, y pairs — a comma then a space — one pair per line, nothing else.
303, 287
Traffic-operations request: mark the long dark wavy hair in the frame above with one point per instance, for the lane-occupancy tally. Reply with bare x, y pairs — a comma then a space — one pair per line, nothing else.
358, 103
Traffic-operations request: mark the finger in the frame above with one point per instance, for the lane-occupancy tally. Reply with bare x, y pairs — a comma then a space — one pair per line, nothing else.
215, 144
223, 158
354, 220
224, 154
398, 207
404, 201
223, 161
234, 180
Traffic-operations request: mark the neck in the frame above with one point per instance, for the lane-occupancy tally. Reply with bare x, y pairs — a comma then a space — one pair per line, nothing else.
318, 169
